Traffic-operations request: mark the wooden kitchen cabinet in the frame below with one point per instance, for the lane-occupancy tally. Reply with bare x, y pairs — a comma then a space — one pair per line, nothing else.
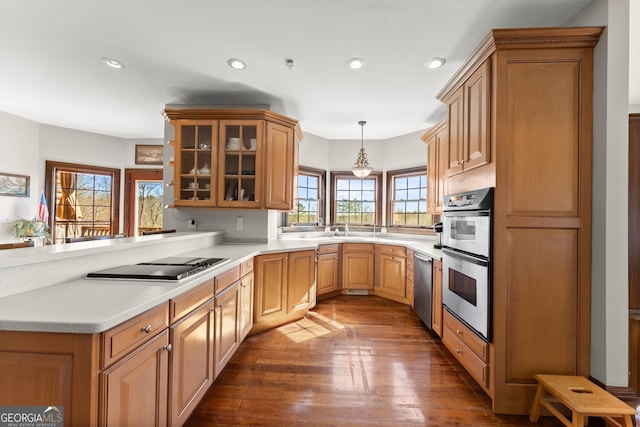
281, 167
195, 159
192, 359
240, 163
358, 265
391, 272
436, 311
468, 348
284, 288
52, 369
234, 158
468, 123
135, 389
246, 305
410, 277
527, 103
436, 139
328, 281
227, 325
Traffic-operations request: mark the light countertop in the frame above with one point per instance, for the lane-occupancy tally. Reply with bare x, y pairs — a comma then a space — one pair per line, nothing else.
95, 305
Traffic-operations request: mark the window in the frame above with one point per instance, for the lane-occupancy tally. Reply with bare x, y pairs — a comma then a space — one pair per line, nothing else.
85, 200
356, 200
407, 195
308, 204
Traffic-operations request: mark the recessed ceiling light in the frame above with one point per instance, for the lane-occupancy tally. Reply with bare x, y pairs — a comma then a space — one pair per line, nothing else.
356, 63
113, 63
434, 63
237, 64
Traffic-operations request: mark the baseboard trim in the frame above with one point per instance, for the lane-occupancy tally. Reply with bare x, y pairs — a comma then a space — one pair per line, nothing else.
626, 394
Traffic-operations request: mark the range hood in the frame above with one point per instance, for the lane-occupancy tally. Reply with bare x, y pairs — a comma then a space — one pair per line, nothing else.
171, 268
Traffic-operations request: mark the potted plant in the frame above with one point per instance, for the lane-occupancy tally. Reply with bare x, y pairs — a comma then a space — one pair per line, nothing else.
26, 229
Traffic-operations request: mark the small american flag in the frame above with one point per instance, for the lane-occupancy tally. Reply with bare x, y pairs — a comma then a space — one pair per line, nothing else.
43, 210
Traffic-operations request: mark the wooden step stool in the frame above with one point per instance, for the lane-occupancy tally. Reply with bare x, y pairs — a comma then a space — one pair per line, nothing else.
582, 397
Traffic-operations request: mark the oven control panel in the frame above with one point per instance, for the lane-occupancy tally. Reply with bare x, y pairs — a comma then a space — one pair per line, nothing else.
470, 200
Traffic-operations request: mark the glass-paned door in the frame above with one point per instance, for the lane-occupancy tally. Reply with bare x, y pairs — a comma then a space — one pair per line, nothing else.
239, 179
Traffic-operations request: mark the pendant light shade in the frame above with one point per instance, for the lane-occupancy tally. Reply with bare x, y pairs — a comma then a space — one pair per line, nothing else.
361, 168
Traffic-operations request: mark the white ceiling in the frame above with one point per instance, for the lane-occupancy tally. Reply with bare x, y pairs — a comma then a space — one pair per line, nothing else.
176, 52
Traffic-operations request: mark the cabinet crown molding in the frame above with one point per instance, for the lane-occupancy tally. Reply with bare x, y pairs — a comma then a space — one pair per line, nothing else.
521, 38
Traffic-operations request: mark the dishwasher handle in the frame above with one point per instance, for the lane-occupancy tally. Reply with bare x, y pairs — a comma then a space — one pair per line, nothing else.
422, 258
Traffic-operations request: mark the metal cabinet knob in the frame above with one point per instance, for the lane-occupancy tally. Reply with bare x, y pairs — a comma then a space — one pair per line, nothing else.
458, 331
459, 351
146, 329
168, 347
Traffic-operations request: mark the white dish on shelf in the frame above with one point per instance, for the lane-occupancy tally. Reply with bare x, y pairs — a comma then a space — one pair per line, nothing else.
192, 171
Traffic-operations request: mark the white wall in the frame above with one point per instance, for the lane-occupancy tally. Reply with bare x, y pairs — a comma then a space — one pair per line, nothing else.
609, 295
19, 141
28, 145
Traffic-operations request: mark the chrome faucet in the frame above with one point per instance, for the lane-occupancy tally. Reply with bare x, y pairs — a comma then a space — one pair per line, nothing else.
346, 229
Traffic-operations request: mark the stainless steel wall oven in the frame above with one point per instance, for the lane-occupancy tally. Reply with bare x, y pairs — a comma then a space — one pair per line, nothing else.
466, 258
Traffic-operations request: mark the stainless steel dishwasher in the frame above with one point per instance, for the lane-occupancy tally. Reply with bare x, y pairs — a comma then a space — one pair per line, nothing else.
423, 285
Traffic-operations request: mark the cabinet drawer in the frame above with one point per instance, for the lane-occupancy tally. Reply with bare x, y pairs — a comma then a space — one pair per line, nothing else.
120, 340
328, 249
226, 279
358, 247
190, 300
476, 367
471, 340
393, 250
246, 267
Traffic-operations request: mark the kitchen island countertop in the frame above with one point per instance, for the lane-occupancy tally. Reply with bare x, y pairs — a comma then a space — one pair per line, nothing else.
90, 306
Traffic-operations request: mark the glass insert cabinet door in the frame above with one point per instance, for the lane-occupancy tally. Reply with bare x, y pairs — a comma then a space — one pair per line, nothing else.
195, 162
240, 166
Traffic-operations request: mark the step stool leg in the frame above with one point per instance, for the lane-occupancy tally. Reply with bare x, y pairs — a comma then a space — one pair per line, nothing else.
535, 408
577, 419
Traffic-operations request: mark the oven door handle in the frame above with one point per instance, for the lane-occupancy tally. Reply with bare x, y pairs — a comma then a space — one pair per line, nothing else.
468, 258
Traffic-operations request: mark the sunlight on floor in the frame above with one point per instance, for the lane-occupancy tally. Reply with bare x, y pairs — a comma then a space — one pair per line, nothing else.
312, 326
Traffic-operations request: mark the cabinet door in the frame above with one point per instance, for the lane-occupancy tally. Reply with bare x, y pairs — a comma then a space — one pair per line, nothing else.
442, 144
436, 316
192, 370
135, 389
240, 163
455, 124
271, 287
227, 335
246, 305
301, 280
393, 274
357, 270
280, 167
195, 162
477, 114
328, 273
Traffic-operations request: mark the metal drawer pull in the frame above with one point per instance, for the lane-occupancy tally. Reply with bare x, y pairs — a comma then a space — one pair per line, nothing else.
459, 351
168, 347
458, 331
146, 329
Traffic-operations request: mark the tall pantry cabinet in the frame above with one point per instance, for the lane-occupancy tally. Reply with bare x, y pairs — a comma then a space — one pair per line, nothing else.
520, 116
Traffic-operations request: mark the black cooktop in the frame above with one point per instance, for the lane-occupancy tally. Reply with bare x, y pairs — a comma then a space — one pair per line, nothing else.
171, 268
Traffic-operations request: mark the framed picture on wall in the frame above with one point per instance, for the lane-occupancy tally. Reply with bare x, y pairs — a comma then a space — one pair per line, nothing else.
14, 185
149, 154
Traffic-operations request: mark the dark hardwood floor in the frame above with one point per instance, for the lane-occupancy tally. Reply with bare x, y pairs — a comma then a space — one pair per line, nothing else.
354, 361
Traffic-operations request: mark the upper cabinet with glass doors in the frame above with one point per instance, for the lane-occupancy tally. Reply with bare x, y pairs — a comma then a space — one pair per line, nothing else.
195, 159
234, 158
240, 169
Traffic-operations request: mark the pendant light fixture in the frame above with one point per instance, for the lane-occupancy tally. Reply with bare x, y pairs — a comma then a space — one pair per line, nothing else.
362, 168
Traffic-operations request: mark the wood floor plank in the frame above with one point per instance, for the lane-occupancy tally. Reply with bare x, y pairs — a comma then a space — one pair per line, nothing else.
354, 361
